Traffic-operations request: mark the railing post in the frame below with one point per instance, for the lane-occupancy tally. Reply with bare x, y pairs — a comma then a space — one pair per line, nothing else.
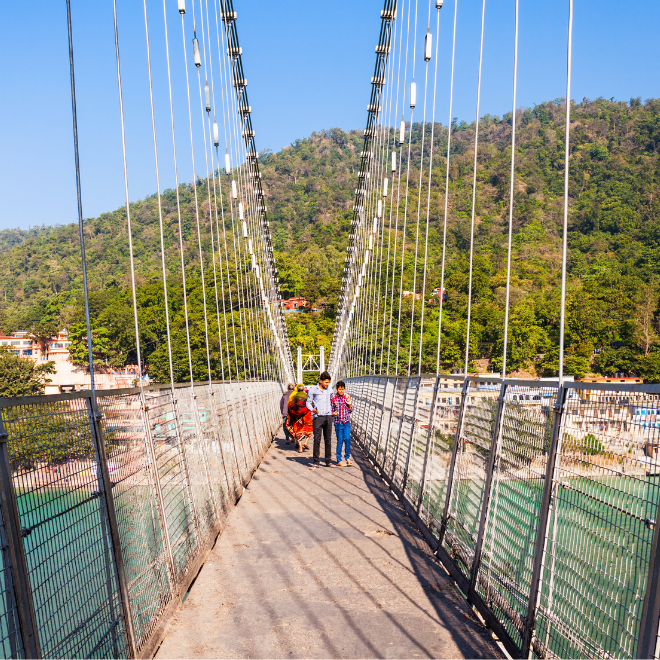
554, 453
235, 440
372, 411
412, 433
452, 465
375, 407
490, 469
108, 512
186, 472
398, 436
382, 416
429, 440
202, 441
360, 408
153, 464
389, 425
19, 569
648, 629
216, 423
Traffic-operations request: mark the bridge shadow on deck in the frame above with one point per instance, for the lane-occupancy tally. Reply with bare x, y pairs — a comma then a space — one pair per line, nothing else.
322, 563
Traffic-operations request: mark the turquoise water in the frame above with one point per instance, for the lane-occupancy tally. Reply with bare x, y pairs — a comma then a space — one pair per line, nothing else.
596, 559
601, 560
72, 570
72, 575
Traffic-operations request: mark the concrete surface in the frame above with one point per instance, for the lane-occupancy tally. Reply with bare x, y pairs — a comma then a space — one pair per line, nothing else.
322, 564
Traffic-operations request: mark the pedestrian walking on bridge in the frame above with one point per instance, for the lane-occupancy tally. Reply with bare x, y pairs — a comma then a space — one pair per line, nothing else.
341, 410
284, 407
299, 419
318, 401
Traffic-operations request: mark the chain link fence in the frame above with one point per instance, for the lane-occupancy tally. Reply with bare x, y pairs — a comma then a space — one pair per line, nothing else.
109, 506
541, 501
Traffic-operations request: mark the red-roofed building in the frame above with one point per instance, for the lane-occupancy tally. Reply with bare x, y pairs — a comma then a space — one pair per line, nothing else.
294, 304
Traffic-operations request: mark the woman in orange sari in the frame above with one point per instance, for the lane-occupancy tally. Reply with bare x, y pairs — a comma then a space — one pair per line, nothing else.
299, 420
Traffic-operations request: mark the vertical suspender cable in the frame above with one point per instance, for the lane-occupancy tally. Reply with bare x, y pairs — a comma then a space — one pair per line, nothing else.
396, 221
511, 196
81, 234
217, 231
405, 211
386, 153
428, 197
128, 209
222, 209
474, 189
208, 192
419, 208
199, 234
178, 196
444, 222
562, 319
160, 206
115, 570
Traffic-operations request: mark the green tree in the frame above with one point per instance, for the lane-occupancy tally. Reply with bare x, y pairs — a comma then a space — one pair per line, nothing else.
21, 376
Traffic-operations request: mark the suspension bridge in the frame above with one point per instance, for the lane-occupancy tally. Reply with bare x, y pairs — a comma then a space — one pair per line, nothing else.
487, 516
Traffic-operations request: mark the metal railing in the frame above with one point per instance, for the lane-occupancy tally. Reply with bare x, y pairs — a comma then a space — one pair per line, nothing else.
540, 501
110, 506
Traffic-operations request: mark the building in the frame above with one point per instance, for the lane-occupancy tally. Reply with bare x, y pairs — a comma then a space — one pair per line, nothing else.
294, 304
634, 380
69, 377
24, 346
406, 294
436, 294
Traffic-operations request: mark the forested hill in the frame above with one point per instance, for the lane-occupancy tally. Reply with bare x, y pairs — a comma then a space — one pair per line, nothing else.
614, 239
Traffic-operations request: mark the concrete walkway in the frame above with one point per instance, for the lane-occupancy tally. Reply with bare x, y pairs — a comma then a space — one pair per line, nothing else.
322, 564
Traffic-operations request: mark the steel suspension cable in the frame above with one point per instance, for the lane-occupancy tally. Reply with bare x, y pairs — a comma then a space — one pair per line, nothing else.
419, 207
403, 233
567, 156
428, 196
197, 221
446, 207
474, 188
74, 114
511, 195
178, 196
384, 145
128, 214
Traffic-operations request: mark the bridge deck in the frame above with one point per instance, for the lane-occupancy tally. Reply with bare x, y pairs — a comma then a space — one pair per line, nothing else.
322, 563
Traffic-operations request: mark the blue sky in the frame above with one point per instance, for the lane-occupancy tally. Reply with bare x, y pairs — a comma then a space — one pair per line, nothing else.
308, 66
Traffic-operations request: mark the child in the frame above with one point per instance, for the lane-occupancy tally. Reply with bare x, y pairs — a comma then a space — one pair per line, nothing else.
341, 410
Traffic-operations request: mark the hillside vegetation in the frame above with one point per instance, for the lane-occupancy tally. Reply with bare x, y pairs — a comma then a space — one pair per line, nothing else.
614, 242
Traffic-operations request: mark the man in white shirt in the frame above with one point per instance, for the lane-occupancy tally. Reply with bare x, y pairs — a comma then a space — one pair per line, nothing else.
318, 401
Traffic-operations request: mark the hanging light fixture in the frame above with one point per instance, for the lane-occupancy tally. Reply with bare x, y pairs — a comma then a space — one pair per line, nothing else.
207, 97
385, 182
227, 164
413, 94
216, 134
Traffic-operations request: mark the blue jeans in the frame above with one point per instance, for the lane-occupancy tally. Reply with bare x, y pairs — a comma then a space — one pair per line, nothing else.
287, 435
343, 432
